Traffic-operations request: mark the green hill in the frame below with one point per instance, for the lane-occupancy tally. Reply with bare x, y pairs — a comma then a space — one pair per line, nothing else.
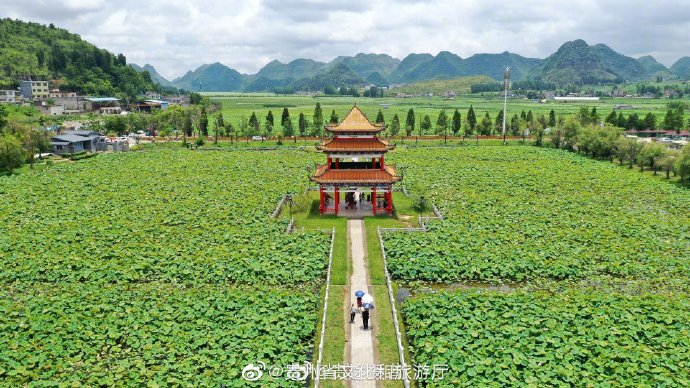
438, 87
655, 69
214, 77
577, 63
337, 76
32, 50
493, 65
681, 68
299, 68
157, 78
366, 65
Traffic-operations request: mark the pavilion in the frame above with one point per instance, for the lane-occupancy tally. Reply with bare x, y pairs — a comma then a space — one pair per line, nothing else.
355, 177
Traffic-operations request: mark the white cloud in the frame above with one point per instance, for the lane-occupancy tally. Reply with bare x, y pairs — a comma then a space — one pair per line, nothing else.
179, 35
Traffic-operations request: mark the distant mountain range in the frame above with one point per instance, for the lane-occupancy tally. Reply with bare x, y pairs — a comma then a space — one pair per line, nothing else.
574, 63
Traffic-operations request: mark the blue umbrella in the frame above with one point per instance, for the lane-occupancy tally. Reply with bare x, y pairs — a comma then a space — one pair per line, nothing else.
359, 294
368, 306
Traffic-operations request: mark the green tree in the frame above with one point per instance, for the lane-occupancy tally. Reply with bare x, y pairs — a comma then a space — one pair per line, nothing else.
195, 98
682, 165
218, 127
334, 118
485, 126
471, 120
498, 124
515, 125
540, 129
425, 125
442, 125
285, 117
530, 116
3, 117
317, 121
649, 121
289, 130
302, 125
409, 122
651, 153
552, 118
594, 117
571, 128
115, 124
395, 125
188, 126
668, 162
269, 123
203, 122
12, 154
380, 119
456, 122
612, 118
254, 124
621, 122
627, 150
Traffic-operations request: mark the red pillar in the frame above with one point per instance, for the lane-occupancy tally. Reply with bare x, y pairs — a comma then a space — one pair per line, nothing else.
321, 200
381, 162
373, 162
329, 162
389, 202
337, 199
337, 162
373, 199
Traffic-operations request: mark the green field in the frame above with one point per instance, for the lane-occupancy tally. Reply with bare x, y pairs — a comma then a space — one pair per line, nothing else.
235, 107
159, 266
549, 269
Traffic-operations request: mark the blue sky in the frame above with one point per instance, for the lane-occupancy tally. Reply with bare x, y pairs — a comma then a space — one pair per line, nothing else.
179, 35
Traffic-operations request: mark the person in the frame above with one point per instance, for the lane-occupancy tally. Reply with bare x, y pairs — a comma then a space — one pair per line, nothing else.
359, 302
353, 312
365, 318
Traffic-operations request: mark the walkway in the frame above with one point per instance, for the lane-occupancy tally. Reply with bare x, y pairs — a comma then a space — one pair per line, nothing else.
361, 341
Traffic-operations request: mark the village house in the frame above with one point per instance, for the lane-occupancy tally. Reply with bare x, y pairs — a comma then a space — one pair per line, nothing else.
34, 90
71, 142
8, 96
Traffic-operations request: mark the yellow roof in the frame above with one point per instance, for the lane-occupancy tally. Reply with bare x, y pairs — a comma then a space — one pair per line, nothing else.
355, 121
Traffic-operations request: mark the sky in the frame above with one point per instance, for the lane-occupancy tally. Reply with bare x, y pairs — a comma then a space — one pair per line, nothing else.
180, 35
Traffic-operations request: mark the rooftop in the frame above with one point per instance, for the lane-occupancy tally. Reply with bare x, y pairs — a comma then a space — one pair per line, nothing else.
356, 145
375, 176
102, 99
355, 121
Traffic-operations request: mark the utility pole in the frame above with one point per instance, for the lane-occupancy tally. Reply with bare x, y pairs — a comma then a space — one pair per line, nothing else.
506, 85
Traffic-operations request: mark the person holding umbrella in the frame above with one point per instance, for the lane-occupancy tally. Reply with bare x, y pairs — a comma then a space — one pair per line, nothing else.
359, 295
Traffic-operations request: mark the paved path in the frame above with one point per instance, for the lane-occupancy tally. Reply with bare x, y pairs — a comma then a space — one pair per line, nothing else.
361, 341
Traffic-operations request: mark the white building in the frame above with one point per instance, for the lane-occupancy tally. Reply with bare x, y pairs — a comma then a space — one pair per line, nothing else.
34, 89
8, 96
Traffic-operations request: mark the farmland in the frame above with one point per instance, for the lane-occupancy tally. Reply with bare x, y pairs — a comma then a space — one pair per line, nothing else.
521, 213
159, 266
549, 268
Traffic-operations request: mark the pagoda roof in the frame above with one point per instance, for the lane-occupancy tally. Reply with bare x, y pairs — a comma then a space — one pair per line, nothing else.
355, 121
356, 144
355, 176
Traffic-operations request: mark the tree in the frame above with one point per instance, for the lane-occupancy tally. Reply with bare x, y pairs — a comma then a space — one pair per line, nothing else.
650, 154
409, 122
425, 125
621, 122
498, 124
3, 117
317, 120
649, 121
380, 119
11, 153
456, 123
302, 125
334, 118
594, 117
203, 122
442, 125
116, 124
530, 116
187, 125
612, 118
243, 129
515, 125
674, 118
472, 120
571, 128
552, 119
254, 124
219, 126
627, 150
285, 117
682, 165
539, 129
668, 162
269, 123
485, 126
195, 98
633, 122
289, 130
395, 125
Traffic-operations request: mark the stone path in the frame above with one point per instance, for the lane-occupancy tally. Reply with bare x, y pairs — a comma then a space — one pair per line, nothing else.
361, 341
